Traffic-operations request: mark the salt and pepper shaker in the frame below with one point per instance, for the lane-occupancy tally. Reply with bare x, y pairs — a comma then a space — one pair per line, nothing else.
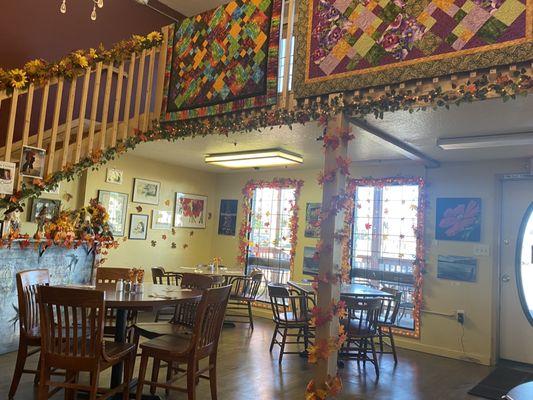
120, 285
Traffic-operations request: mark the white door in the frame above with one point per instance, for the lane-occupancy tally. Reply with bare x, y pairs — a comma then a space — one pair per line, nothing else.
516, 279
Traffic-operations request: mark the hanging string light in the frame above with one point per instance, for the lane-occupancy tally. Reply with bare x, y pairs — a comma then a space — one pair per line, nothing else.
96, 3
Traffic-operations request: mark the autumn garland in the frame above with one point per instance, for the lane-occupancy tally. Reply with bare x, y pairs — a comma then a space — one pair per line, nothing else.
419, 262
248, 192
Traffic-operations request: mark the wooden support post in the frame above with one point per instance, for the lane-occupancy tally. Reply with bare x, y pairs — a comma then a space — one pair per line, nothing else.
105, 111
127, 103
116, 109
11, 124
94, 108
161, 68
138, 91
42, 115
55, 127
68, 123
81, 115
148, 98
331, 253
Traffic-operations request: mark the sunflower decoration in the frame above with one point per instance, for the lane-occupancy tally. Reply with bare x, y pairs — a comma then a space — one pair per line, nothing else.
18, 78
154, 36
36, 69
80, 60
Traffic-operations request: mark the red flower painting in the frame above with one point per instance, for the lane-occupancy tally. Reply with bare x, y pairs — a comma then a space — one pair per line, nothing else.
459, 219
190, 211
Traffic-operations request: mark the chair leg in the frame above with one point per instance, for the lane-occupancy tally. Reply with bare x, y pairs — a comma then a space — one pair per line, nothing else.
128, 373
250, 315
306, 337
282, 350
213, 376
69, 377
37, 375
380, 334
142, 376
374, 357
155, 374
393, 346
19, 367
191, 380
273, 338
44, 378
93, 394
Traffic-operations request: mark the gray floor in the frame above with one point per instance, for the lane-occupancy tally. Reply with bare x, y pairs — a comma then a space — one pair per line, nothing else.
246, 370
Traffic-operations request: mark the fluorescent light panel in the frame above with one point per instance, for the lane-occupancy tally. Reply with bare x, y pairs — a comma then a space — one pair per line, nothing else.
486, 141
253, 159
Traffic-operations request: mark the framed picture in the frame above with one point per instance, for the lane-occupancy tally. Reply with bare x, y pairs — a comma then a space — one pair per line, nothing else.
116, 205
32, 161
227, 219
7, 177
310, 261
45, 209
145, 191
457, 268
191, 211
161, 219
138, 226
114, 176
458, 219
312, 220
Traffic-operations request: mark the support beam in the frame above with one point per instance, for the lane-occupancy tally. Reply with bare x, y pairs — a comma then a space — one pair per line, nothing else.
331, 252
398, 145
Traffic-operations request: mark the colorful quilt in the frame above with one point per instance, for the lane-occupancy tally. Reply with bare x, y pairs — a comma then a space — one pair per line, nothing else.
224, 60
350, 44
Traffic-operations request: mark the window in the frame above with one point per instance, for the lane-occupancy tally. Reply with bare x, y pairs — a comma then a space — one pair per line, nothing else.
281, 77
269, 240
385, 245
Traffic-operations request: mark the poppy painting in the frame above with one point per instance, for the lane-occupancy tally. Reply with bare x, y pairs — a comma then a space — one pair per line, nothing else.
191, 211
458, 219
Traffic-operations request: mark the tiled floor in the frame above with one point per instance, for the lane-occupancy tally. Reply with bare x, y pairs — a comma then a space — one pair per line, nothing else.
248, 371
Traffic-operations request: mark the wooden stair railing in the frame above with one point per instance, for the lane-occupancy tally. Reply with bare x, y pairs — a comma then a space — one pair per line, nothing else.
93, 111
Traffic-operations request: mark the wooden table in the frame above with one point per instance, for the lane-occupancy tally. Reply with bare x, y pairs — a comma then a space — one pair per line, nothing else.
152, 296
226, 272
521, 392
350, 289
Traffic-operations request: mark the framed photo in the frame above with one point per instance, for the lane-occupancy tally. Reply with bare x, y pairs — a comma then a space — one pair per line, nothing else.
457, 268
45, 209
138, 226
458, 219
227, 219
114, 176
191, 211
32, 161
310, 261
116, 205
145, 191
7, 177
161, 219
312, 220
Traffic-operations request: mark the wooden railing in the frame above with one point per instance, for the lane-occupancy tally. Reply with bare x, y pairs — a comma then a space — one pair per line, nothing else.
73, 118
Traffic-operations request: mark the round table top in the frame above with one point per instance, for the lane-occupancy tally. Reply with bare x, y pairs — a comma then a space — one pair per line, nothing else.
523, 391
152, 295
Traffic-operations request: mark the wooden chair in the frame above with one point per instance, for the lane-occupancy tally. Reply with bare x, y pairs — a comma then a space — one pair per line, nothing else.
72, 338
28, 310
361, 327
243, 293
161, 277
290, 314
111, 275
203, 343
388, 314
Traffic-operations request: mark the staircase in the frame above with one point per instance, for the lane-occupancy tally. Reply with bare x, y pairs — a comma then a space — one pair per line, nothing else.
96, 110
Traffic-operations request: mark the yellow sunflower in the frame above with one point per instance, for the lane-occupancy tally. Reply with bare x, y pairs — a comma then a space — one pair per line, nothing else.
33, 67
18, 78
154, 36
81, 60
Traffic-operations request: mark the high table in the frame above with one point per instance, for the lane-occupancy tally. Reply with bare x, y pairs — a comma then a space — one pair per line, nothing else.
151, 297
347, 289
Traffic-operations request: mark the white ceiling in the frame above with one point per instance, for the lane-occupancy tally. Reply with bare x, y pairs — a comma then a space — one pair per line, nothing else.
192, 7
421, 130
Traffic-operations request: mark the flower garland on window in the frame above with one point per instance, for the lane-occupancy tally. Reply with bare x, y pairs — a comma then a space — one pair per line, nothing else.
419, 262
248, 192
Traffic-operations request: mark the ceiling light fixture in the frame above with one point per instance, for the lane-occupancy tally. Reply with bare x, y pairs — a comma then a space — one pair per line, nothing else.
96, 3
254, 159
486, 141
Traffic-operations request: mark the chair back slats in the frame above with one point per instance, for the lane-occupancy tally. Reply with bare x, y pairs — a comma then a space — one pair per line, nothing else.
362, 314
390, 306
185, 312
246, 287
72, 323
27, 284
209, 320
196, 281
158, 273
286, 306
111, 274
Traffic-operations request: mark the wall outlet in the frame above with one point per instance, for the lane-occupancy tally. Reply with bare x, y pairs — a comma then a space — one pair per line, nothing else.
482, 250
460, 316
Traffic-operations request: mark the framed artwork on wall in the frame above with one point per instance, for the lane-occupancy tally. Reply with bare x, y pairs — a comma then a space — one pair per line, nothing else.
138, 227
310, 261
116, 205
191, 211
32, 161
457, 268
45, 209
312, 220
227, 219
115, 176
161, 219
146, 191
458, 219
7, 177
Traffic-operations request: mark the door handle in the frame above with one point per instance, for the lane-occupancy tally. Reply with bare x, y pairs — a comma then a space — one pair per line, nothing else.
506, 278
